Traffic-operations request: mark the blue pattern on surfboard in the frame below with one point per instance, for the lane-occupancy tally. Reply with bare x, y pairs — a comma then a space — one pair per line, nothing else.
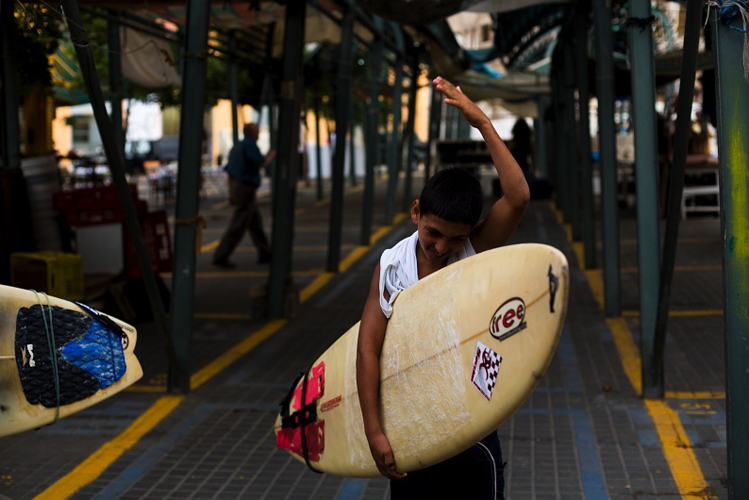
99, 352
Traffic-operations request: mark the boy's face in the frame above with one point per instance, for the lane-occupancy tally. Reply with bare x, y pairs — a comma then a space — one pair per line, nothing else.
439, 238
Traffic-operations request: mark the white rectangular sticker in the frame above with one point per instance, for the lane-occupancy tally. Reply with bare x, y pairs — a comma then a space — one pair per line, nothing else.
486, 364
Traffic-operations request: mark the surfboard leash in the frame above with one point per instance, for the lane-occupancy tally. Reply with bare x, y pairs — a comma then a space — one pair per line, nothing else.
50, 331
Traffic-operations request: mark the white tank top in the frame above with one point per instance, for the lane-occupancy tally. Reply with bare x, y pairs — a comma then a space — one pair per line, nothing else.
399, 269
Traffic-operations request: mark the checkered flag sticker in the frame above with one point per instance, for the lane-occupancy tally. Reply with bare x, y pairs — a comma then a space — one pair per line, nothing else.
486, 364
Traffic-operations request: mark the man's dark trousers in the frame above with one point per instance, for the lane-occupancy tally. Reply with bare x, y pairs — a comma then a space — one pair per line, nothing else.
246, 217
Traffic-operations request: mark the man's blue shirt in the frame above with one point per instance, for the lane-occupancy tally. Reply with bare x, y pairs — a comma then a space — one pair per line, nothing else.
245, 160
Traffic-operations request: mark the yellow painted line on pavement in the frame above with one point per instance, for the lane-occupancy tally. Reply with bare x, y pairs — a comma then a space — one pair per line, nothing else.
93, 466
676, 446
320, 281
678, 451
209, 246
214, 367
628, 351
695, 395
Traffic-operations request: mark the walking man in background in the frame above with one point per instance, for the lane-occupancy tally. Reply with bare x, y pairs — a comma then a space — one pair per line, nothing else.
244, 166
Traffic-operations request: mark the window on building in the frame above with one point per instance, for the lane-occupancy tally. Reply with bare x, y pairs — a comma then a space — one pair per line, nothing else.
81, 129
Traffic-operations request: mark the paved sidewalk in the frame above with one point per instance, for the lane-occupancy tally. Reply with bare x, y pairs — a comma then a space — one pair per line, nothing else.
583, 433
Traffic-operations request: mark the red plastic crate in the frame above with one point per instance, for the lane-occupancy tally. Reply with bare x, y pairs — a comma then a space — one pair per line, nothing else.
155, 228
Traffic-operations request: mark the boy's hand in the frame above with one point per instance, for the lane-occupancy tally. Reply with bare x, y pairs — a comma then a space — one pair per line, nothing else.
383, 456
455, 97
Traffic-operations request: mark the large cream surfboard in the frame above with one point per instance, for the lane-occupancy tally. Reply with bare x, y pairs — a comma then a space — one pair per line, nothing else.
94, 359
464, 348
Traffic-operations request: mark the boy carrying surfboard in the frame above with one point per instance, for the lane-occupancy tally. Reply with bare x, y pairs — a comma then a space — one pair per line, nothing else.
448, 229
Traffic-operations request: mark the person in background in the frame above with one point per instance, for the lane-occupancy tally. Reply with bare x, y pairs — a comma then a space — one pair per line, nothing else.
244, 166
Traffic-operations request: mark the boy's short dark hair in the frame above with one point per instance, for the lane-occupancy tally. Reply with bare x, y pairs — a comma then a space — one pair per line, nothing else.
453, 194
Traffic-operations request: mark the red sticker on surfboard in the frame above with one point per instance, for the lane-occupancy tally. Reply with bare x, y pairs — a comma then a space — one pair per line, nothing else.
508, 319
486, 364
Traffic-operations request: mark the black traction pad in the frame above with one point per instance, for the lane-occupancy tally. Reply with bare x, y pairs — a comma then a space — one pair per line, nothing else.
35, 364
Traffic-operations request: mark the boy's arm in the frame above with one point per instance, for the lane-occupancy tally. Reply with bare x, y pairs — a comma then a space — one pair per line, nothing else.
371, 337
505, 214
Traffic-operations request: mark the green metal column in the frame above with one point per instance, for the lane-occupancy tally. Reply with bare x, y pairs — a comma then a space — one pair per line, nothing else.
562, 140
342, 109
607, 145
352, 140
693, 26
733, 143
587, 216
318, 148
115, 79
116, 163
11, 127
573, 172
371, 142
234, 88
560, 144
646, 174
411, 131
188, 186
395, 139
284, 180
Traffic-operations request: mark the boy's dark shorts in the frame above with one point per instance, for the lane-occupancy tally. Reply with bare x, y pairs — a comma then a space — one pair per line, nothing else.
475, 474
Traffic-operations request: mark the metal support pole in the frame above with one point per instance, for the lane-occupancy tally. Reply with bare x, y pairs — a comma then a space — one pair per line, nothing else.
188, 186
352, 142
606, 140
11, 127
115, 80
394, 146
318, 148
586, 188
411, 130
573, 173
733, 143
693, 25
342, 109
234, 88
646, 174
562, 142
284, 180
371, 142
117, 168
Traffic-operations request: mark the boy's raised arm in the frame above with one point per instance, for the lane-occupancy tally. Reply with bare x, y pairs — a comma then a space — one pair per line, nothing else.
371, 336
505, 214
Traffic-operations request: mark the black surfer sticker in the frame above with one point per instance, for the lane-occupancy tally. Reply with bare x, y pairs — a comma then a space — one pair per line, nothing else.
509, 319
